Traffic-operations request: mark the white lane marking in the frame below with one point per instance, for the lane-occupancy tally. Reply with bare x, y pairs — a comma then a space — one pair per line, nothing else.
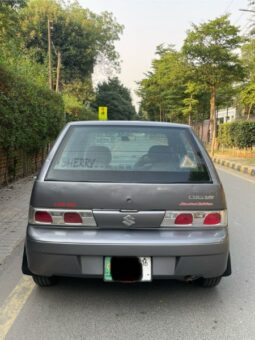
14, 303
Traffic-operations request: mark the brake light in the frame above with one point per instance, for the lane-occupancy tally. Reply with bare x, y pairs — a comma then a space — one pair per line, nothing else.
184, 219
43, 217
72, 217
212, 218
196, 218
62, 217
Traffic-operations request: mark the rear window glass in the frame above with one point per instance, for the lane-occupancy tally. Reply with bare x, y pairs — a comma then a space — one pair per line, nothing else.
128, 154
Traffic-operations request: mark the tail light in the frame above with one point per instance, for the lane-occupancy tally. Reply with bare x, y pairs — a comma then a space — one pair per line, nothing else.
212, 218
43, 217
62, 217
72, 217
184, 219
195, 219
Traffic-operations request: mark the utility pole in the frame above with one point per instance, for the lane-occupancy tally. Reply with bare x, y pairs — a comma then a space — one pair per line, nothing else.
58, 70
49, 53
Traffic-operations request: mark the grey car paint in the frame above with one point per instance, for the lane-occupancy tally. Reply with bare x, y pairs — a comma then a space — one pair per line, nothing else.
126, 196
79, 252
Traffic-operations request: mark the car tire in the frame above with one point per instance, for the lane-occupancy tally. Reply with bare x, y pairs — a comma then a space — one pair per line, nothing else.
44, 281
210, 282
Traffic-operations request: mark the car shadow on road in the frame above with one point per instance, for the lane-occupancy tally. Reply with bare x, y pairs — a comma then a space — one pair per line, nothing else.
148, 296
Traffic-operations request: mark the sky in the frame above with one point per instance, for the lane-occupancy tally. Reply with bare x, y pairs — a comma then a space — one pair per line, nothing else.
149, 23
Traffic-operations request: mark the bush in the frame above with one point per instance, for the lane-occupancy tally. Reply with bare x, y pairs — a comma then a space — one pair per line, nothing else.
75, 110
240, 134
30, 115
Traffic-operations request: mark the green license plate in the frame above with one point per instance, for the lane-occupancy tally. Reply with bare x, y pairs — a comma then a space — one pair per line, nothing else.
145, 263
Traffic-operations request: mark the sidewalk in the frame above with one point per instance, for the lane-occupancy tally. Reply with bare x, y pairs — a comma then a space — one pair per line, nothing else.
246, 166
14, 203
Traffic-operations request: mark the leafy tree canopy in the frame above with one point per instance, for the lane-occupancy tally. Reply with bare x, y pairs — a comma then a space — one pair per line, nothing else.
117, 98
211, 48
164, 90
80, 35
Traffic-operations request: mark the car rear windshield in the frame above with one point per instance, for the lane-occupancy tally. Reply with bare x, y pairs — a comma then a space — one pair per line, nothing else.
141, 154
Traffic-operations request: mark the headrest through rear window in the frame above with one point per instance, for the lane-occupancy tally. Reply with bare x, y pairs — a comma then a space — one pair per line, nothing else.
101, 154
159, 153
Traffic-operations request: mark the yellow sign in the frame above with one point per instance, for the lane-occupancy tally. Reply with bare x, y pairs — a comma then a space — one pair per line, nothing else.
102, 113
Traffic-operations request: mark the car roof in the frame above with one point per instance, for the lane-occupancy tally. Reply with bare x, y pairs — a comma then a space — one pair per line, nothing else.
127, 123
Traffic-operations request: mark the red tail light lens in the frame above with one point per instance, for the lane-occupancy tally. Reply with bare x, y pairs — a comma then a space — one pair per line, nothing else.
72, 217
212, 218
184, 219
43, 217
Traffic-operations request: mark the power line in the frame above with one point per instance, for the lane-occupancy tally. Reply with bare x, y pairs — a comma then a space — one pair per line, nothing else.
248, 25
238, 19
246, 28
229, 5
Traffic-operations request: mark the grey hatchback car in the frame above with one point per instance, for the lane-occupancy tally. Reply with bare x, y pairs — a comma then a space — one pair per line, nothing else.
127, 202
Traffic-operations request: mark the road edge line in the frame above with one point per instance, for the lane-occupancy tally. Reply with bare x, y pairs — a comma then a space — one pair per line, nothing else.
14, 303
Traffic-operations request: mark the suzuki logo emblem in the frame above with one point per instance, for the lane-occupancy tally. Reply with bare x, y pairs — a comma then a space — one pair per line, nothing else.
128, 220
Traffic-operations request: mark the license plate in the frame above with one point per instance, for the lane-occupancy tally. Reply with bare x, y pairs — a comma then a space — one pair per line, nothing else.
146, 269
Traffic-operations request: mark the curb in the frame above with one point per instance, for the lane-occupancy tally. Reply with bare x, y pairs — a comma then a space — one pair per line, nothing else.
248, 170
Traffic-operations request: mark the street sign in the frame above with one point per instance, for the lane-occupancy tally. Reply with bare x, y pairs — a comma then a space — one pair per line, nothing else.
102, 113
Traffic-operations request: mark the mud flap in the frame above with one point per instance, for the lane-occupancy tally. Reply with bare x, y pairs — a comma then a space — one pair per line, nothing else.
24, 266
228, 270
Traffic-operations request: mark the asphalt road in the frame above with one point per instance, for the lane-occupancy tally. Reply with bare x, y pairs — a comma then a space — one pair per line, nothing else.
91, 309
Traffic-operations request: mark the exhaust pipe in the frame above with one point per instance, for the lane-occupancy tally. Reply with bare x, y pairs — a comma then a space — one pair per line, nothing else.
190, 278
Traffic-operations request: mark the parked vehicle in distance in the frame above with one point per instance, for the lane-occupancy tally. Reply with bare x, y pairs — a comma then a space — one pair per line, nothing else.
127, 201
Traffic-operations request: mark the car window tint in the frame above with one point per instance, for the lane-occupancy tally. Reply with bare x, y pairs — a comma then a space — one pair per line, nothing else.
104, 152
110, 149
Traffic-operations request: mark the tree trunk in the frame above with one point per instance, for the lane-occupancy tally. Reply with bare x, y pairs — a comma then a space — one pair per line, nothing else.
58, 71
249, 112
190, 108
49, 54
213, 120
189, 119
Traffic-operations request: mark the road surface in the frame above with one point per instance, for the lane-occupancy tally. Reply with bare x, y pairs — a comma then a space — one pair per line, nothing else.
91, 309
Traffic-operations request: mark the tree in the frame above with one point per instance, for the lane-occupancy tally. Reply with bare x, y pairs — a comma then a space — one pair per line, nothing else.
211, 50
169, 92
9, 20
226, 95
247, 92
248, 57
247, 97
80, 35
117, 98
78, 97
190, 102
162, 91
13, 3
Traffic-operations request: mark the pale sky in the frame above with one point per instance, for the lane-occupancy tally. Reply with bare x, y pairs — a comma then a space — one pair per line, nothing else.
153, 22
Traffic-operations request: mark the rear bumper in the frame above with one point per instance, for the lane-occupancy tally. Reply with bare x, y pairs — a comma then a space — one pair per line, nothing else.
175, 253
